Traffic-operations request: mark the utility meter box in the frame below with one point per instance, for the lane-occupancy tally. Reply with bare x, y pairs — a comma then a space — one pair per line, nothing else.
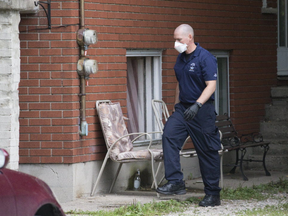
86, 66
86, 37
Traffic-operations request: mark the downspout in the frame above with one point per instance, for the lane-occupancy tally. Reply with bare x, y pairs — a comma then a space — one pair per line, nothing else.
83, 124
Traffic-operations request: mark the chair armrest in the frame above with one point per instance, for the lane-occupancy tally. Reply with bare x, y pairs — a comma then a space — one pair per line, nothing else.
148, 133
140, 134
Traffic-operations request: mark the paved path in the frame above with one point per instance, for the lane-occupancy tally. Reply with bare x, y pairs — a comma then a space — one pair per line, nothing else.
195, 189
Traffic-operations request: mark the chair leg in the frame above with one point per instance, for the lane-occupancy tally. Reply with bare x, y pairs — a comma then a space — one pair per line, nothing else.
266, 148
156, 174
243, 152
153, 170
221, 170
100, 174
232, 171
117, 173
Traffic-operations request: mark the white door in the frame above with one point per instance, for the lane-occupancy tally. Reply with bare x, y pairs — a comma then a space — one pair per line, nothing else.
282, 51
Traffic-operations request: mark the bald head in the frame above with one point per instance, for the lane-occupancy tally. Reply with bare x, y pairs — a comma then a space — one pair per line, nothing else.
185, 30
184, 34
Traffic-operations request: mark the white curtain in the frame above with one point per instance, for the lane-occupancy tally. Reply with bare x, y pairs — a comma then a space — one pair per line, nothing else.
132, 94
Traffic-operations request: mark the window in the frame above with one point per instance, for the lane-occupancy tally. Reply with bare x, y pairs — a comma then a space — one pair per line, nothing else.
282, 50
222, 101
283, 23
144, 83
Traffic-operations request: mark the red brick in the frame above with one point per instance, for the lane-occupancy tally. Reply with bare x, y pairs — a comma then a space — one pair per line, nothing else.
40, 152
29, 67
70, 5
65, 13
68, 98
70, 67
50, 52
64, 75
23, 122
62, 152
70, 51
51, 114
69, 160
64, 44
74, 82
61, 59
50, 82
24, 75
68, 21
29, 83
74, 144
24, 137
64, 106
41, 90
39, 75
23, 45
65, 137
71, 129
30, 129
51, 129
65, 121
74, 113
69, 36
29, 160
50, 67
38, 44
29, 145
52, 98
23, 152
39, 122
28, 21
50, 36
29, 114
29, 98
65, 90
51, 145
39, 106
51, 160
28, 37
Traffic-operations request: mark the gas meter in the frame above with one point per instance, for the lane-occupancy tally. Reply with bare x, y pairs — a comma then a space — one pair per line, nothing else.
86, 66
86, 37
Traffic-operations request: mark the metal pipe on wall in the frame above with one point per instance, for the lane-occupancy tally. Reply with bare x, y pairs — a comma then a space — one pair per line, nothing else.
83, 124
85, 66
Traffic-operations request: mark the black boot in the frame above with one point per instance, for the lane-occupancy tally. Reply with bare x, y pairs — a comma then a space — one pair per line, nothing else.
170, 188
210, 200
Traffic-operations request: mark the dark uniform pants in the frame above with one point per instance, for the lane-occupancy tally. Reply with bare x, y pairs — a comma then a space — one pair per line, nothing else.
206, 140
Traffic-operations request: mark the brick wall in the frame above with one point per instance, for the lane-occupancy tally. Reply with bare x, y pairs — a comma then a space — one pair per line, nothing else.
49, 84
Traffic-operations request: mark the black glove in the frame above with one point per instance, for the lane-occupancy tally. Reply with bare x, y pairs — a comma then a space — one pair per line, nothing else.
191, 111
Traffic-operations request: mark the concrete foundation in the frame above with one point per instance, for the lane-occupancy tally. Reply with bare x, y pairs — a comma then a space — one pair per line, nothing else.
72, 181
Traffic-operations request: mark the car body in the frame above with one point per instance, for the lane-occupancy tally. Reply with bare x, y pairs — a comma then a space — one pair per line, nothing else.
25, 195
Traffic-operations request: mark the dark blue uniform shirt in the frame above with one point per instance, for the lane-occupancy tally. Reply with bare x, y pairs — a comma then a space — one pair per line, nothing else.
193, 72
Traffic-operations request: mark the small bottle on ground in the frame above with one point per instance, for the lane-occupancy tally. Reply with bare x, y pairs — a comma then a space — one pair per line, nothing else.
137, 180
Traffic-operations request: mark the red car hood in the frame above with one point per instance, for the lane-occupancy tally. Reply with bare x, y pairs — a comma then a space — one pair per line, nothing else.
30, 192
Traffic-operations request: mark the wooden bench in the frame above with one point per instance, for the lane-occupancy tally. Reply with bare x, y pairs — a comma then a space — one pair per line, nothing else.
231, 141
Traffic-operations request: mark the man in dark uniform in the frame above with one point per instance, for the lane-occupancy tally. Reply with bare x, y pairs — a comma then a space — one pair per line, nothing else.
194, 114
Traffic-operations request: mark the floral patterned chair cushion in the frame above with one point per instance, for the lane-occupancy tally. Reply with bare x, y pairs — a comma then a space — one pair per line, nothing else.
114, 127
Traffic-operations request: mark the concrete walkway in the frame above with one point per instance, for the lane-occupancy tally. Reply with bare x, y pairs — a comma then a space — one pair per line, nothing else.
194, 189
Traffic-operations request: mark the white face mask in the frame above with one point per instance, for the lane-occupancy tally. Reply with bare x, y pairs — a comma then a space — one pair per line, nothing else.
180, 47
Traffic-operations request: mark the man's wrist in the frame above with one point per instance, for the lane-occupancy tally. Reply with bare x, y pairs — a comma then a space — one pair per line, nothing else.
199, 104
